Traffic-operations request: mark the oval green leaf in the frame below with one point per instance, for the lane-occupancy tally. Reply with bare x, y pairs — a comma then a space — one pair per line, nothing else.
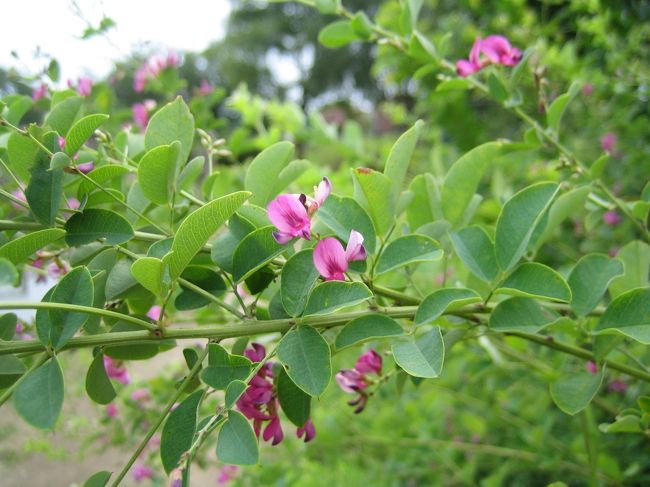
372, 190
331, 296
297, 280
256, 249
534, 280
39, 396
18, 250
406, 250
81, 131
94, 224
98, 386
476, 250
306, 357
157, 173
172, 122
295, 403
422, 356
589, 280
179, 430
574, 393
629, 314
237, 444
264, 170
368, 327
436, 303
521, 314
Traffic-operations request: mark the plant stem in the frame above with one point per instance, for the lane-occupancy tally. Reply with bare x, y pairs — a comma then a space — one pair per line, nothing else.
161, 417
75, 307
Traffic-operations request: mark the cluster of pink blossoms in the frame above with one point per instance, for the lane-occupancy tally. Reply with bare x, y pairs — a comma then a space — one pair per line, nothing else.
491, 50
151, 68
356, 380
291, 214
260, 402
115, 370
84, 85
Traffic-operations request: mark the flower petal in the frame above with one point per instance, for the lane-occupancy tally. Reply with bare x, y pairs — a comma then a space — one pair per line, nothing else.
329, 259
355, 249
323, 191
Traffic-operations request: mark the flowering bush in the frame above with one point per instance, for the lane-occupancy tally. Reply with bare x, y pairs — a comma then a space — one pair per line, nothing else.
427, 264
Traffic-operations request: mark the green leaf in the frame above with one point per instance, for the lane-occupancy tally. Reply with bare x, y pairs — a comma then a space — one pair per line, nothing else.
22, 152
463, 179
436, 303
101, 175
563, 207
518, 219
263, 172
99, 479
150, 272
224, 368
233, 392
636, 261
535, 280
172, 122
8, 273
98, 386
497, 89
371, 189
63, 114
157, 173
342, 215
368, 327
179, 430
406, 250
237, 444
574, 393
191, 173
10, 370
306, 357
400, 156
198, 227
629, 314
18, 250
256, 250
76, 287
337, 34
60, 160
476, 250
18, 108
205, 278
331, 296
44, 192
556, 109
297, 280
293, 400
362, 25
589, 280
290, 173
8, 326
39, 396
327, 6
93, 224
422, 356
521, 314
82, 130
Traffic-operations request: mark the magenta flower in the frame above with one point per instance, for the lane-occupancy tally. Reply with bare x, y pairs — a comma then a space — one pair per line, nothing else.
308, 431
617, 385
115, 371
591, 367
154, 313
140, 395
141, 472
321, 192
587, 89
73, 203
493, 49
84, 85
39, 92
140, 79
227, 473
356, 380
289, 215
86, 167
57, 269
273, 431
140, 115
369, 362
111, 410
173, 59
611, 218
205, 88
332, 261
20, 328
20, 195
608, 142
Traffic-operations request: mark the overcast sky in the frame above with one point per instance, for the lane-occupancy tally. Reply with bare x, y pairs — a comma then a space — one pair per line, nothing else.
54, 27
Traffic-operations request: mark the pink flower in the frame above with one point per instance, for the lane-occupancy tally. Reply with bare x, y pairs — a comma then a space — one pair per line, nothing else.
73, 203
608, 142
308, 431
332, 261
20, 195
39, 92
141, 472
369, 362
591, 367
140, 79
84, 85
273, 431
321, 192
61, 141
611, 218
57, 269
493, 49
289, 215
172, 59
111, 410
587, 89
499, 51
115, 371
205, 88
140, 395
227, 473
617, 385
154, 312
86, 167
20, 328
140, 115
351, 380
